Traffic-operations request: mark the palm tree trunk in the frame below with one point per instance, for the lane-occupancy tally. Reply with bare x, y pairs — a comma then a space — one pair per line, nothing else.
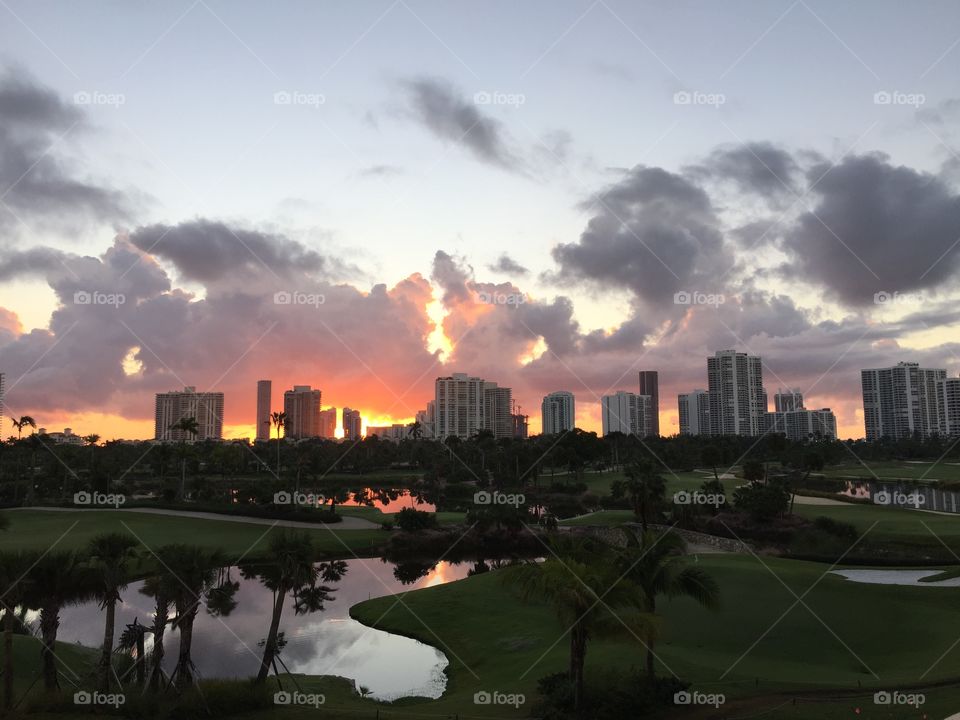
160, 618
270, 646
578, 656
651, 668
105, 665
7, 657
49, 624
185, 662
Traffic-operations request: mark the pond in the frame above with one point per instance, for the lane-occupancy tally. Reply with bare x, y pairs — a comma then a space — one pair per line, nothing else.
323, 643
905, 495
389, 500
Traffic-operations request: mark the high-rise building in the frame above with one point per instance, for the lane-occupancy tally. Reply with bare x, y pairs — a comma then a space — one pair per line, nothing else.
498, 410
171, 407
264, 391
950, 394
557, 413
650, 385
393, 433
626, 412
520, 426
694, 412
738, 402
458, 406
2, 406
787, 400
426, 420
328, 423
802, 425
352, 424
302, 406
903, 401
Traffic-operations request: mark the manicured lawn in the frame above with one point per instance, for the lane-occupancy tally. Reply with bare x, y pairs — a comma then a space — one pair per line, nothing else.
894, 524
40, 529
944, 470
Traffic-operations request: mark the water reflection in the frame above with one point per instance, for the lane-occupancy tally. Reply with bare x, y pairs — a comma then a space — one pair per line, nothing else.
912, 496
328, 642
390, 500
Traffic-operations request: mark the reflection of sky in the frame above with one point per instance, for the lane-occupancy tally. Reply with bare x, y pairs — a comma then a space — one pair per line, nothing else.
323, 643
404, 500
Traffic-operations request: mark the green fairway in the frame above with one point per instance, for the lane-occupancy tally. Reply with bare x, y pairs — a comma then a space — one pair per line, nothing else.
41, 529
892, 524
893, 470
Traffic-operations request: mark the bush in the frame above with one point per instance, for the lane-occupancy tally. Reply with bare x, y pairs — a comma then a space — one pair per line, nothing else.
837, 528
613, 696
412, 520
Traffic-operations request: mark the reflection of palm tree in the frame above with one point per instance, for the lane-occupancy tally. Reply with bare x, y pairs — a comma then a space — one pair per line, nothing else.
186, 426
110, 557
195, 570
292, 571
279, 420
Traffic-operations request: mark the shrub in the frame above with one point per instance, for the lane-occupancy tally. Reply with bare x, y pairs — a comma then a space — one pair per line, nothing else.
412, 520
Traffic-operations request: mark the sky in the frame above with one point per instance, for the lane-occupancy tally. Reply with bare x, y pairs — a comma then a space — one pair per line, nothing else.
551, 195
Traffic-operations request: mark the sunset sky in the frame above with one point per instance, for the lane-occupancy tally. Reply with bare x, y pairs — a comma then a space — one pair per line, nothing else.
487, 188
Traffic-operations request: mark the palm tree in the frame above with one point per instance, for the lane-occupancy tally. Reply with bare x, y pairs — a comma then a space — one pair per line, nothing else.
279, 420
110, 555
160, 587
13, 569
24, 421
55, 581
588, 596
416, 430
645, 488
292, 571
194, 570
656, 563
91, 441
186, 426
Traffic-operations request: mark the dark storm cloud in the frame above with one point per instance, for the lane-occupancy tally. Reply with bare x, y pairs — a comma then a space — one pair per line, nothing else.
34, 181
654, 233
875, 227
207, 250
759, 168
508, 266
443, 110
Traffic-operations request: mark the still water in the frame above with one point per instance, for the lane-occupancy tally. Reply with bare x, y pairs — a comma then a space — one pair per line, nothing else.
323, 643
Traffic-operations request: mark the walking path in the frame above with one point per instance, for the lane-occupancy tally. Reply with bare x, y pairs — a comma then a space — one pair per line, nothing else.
348, 523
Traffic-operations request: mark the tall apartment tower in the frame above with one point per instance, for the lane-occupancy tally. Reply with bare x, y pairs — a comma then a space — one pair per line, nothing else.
264, 392
352, 424
458, 406
173, 406
650, 385
2, 406
558, 413
950, 392
498, 410
738, 402
902, 401
302, 406
694, 412
787, 400
626, 412
328, 423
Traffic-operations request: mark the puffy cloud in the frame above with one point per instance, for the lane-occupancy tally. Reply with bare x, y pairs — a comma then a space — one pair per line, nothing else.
508, 266
758, 168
